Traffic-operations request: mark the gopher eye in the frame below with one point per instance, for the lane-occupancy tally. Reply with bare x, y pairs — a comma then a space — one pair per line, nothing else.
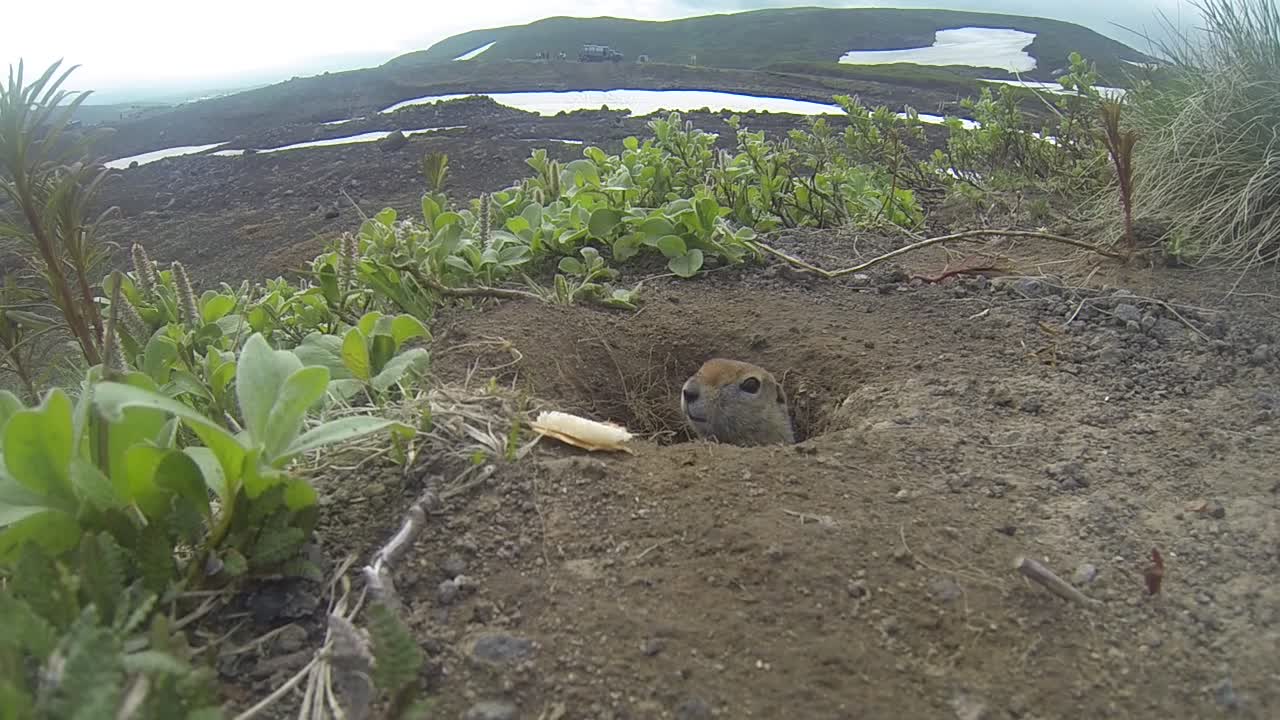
750, 385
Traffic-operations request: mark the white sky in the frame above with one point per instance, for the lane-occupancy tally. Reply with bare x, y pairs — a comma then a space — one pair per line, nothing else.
153, 44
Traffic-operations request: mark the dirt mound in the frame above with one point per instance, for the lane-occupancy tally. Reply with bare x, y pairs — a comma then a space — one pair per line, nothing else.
864, 572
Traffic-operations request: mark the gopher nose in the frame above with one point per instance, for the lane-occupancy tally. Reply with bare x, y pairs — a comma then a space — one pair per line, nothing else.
690, 394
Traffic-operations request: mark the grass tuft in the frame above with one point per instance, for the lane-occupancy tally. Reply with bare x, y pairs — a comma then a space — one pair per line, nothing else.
1210, 157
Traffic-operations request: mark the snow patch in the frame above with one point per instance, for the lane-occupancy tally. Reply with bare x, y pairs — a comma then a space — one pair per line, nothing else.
154, 155
474, 53
974, 46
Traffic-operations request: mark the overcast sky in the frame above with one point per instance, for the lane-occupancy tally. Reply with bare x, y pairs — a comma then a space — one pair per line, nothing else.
161, 45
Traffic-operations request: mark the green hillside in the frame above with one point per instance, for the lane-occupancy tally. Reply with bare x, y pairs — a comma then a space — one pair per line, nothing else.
762, 38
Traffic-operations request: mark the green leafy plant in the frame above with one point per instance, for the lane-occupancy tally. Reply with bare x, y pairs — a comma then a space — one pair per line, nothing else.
371, 354
47, 177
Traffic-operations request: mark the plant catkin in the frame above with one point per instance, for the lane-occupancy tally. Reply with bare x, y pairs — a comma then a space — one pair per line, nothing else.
112, 357
145, 270
347, 259
485, 220
133, 322
186, 296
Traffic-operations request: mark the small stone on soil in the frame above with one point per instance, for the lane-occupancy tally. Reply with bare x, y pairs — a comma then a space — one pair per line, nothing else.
1261, 355
1085, 573
1226, 695
447, 592
498, 648
491, 710
1126, 313
693, 709
453, 566
1069, 475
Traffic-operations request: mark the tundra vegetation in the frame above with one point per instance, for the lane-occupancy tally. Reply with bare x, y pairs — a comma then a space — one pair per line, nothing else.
167, 473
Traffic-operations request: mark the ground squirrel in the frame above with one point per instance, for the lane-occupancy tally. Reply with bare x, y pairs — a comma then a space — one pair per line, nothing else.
736, 403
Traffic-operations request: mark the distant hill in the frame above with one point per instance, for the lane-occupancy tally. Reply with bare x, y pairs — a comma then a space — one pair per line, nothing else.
761, 38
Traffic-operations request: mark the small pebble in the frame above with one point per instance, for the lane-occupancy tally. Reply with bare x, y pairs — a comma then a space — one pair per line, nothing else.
491, 710
693, 708
447, 592
1085, 573
1126, 313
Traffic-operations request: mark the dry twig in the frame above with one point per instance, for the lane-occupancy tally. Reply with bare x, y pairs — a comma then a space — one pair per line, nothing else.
831, 274
1046, 578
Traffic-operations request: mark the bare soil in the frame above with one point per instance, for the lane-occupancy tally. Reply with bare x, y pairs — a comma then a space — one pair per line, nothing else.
866, 571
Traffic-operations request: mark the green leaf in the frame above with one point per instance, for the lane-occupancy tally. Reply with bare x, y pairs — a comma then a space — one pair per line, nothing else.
687, 265
17, 502
603, 221
53, 530
571, 266
398, 366
92, 486
217, 306
301, 390
407, 327
211, 470
154, 662
234, 564
38, 444
672, 246
368, 322
381, 350
113, 398
259, 477
355, 354
325, 351
155, 474
656, 227
348, 428
260, 374
299, 494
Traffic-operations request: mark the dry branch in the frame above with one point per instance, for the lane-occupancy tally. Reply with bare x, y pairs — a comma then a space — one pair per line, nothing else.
831, 274
1046, 578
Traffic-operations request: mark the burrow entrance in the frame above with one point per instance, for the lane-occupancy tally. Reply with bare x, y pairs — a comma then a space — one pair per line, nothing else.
629, 368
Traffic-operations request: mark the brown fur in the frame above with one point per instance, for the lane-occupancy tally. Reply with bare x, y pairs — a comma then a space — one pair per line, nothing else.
718, 406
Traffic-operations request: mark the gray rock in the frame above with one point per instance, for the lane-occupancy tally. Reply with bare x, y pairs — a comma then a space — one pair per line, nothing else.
453, 565
1148, 322
1068, 474
1261, 355
693, 708
447, 592
944, 589
501, 649
1226, 696
393, 142
1126, 313
1084, 574
491, 710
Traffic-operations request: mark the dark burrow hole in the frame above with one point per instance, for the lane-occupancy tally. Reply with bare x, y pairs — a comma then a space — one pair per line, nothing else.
617, 382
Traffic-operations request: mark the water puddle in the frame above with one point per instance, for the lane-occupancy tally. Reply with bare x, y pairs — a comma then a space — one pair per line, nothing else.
154, 155
474, 53
974, 46
342, 122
